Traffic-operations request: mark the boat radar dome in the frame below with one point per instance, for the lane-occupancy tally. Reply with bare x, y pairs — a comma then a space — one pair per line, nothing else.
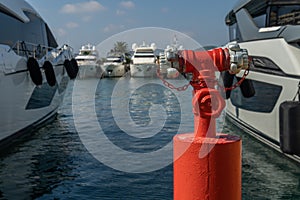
134, 46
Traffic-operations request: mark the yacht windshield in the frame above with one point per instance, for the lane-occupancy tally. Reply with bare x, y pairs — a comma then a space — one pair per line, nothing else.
86, 59
114, 59
284, 15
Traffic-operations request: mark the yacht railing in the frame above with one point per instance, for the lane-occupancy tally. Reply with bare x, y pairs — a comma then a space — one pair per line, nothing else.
28, 49
289, 18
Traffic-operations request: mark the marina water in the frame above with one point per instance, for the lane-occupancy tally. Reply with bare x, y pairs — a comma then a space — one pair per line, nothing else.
53, 162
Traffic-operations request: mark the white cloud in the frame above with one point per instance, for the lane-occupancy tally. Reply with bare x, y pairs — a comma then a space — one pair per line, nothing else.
61, 32
127, 4
165, 10
113, 28
72, 25
86, 18
120, 12
85, 7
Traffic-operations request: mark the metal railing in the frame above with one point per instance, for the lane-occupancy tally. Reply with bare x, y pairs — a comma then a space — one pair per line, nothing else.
28, 49
38, 51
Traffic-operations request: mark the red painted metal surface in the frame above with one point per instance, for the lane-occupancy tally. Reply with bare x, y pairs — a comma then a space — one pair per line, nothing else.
206, 165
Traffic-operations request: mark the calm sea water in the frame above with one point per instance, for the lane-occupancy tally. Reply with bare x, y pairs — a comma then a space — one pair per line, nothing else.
64, 159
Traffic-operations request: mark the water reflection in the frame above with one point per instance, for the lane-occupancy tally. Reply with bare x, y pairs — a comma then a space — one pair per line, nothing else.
149, 122
266, 174
53, 164
38, 165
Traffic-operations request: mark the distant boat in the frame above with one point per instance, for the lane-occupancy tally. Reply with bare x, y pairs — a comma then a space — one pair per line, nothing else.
168, 63
143, 61
114, 65
33, 71
88, 62
164, 64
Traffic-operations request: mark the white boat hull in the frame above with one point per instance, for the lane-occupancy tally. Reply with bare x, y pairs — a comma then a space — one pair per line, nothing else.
259, 115
24, 105
34, 71
113, 70
163, 69
143, 70
89, 71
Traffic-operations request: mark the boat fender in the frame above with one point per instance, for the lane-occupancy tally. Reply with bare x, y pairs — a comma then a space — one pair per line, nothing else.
289, 117
75, 66
70, 70
34, 71
247, 88
50, 74
227, 82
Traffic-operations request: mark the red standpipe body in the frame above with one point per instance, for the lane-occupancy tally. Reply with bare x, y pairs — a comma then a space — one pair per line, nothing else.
207, 165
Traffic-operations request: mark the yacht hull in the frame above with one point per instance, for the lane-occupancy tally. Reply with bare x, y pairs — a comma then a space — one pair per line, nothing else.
89, 71
112, 70
34, 71
163, 69
260, 115
24, 105
143, 70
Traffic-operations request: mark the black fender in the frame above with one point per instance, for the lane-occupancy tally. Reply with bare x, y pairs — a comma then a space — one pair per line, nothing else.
75, 66
70, 71
246, 86
34, 71
227, 82
50, 74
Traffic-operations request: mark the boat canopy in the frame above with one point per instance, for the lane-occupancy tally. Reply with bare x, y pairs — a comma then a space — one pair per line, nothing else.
16, 8
260, 7
21, 23
264, 19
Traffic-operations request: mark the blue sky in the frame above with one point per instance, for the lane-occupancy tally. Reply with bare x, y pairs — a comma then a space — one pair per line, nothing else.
78, 22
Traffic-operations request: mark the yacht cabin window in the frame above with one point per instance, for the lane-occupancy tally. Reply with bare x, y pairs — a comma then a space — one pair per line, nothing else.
35, 34
284, 15
266, 15
15, 30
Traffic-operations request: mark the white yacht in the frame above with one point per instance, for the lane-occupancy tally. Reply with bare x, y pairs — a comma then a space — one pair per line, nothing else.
114, 65
33, 71
168, 66
88, 62
143, 61
270, 31
164, 65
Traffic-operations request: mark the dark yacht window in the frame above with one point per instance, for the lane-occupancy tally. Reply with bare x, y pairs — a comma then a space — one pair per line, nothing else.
15, 30
284, 15
51, 40
264, 101
258, 11
35, 34
144, 56
145, 51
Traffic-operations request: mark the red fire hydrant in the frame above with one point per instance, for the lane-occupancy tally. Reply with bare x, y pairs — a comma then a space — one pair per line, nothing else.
207, 165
